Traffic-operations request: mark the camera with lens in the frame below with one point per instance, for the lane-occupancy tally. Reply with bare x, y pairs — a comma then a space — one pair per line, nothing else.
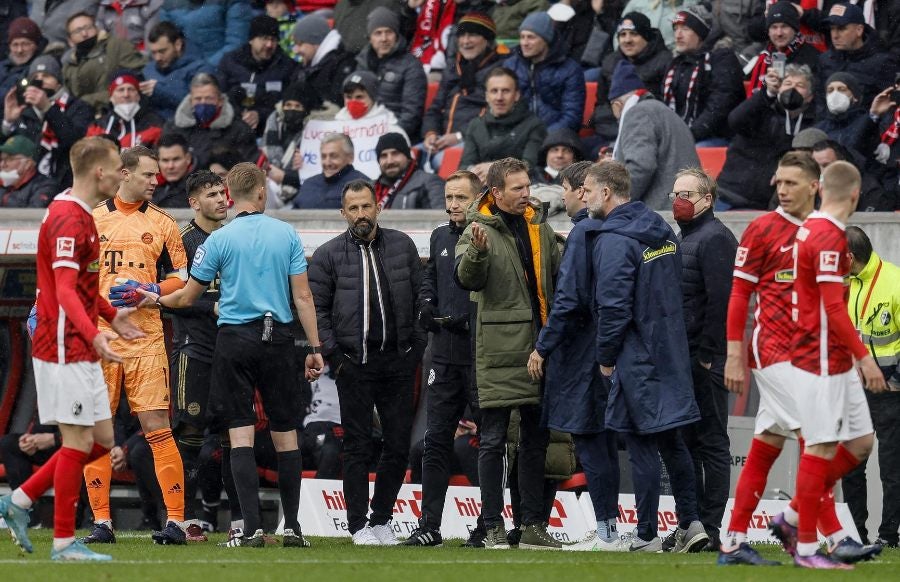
24, 84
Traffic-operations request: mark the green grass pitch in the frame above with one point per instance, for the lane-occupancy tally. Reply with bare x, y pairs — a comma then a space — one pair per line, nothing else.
138, 559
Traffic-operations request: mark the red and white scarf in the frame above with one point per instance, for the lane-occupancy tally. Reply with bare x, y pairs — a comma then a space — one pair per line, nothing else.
690, 99
764, 61
49, 141
892, 132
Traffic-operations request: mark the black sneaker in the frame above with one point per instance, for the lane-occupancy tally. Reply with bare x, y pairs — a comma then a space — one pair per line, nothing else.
290, 539
850, 551
668, 542
513, 536
424, 536
476, 539
172, 534
880, 541
101, 534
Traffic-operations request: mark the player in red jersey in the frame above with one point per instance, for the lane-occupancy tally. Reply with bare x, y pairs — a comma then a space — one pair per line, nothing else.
764, 265
67, 346
834, 417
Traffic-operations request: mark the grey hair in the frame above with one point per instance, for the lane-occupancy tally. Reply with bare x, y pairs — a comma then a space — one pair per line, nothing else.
802, 71
344, 140
204, 79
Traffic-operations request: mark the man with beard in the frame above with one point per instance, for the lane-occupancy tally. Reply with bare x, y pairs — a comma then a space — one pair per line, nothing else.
254, 75
169, 72
365, 283
402, 183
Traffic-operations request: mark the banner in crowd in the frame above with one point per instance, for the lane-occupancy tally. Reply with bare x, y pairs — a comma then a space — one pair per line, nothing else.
364, 134
323, 512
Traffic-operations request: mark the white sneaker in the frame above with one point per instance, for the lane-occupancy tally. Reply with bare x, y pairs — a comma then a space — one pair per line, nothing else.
365, 537
621, 543
385, 534
588, 544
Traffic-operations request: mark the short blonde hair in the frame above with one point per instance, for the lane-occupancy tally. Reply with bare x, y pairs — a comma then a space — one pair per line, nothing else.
839, 180
88, 152
244, 179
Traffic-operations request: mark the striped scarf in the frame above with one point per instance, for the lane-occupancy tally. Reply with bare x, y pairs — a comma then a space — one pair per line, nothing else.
49, 141
892, 132
764, 61
690, 100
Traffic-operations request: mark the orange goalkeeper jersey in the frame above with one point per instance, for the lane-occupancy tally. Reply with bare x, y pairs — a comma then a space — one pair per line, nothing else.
141, 242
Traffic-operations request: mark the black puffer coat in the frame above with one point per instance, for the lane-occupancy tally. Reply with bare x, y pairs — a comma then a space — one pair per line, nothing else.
36, 193
239, 68
336, 279
872, 66
453, 108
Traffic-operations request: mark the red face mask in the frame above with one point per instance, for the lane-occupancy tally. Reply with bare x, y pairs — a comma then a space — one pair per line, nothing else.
683, 210
356, 108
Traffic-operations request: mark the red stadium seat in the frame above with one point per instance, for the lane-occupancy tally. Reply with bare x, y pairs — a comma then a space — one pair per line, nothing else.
460, 481
450, 163
590, 102
432, 91
712, 160
578, 481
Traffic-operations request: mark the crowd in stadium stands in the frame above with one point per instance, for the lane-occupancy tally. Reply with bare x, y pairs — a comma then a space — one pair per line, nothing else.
459, 85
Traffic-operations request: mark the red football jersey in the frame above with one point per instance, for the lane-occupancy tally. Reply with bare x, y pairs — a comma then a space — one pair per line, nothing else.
765, 258
67, 240
821, 257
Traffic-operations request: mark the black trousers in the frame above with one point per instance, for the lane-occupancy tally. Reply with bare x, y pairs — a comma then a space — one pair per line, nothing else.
533, 440
885, 411
446, 398
18, 465
321, 444
707, 439
385, 383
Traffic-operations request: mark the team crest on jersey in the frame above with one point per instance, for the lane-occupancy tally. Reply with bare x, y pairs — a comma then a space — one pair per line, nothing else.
741, 257
829, 261
65, 246
802, 233
784, 276
147, 238
653, 254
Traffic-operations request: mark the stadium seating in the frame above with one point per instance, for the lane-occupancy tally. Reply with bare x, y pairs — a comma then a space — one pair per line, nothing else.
432, 91
450, 163
712, 160
590, 102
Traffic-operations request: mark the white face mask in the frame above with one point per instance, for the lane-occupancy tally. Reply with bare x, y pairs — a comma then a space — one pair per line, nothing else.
837, 102
9, 178
127, 111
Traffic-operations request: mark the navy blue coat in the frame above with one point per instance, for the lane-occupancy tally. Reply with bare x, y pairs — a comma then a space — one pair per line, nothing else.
553, 89
640, 330
574, 391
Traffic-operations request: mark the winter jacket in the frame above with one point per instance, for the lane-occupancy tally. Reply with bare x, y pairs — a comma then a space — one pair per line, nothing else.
707, 256
887, 21
553, 88
508, 15
574, 392
760, 139
68, 122
331, 64
10, 10
451, 344
225, 130
453, 108
718, 88
650, 64
731, 19
402, 84
212, 27
661, 14
636, 259
565, 137
654, 144
37, 192
321, 192
422, 190
852, 129
10, 74
873, 67
173, 194
51, 16
88, 79
350, 20
239, 74
518, 134
144, 129
133, 20
505, 321
338, 281
806, 54
173, 83
559, 461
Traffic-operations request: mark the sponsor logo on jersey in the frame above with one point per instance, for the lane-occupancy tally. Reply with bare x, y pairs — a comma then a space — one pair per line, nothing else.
784, 276
667, 249
198, 256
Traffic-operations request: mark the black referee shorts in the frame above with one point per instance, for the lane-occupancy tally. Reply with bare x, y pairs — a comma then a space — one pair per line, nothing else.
242, 363
191, 379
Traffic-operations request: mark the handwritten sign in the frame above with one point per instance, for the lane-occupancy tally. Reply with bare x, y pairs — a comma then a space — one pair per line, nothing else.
364, 134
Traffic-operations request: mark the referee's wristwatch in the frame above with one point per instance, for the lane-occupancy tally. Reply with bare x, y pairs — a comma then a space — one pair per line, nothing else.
315, 349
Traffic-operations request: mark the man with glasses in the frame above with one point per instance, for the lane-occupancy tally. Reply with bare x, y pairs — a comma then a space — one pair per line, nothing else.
707, 253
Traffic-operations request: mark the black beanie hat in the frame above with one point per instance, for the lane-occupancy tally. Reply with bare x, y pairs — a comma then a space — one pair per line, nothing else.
639, 24
392, 141
783, 12
264, 25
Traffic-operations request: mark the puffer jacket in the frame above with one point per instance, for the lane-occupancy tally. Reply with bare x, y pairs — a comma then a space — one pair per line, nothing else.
422, 190
853, 129
225, 130
350, 20
402, 84
559, 462
505, 322
553, 88
326, 73
131, 20
238, 69
336, 280
650, 64
707, 258
518, 134
88, 79
173, 83
873, 67
212, 27
35, 193
453, 108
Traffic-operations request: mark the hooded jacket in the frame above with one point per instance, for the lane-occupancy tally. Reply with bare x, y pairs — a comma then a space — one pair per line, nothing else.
238, 69
224, 130
402, 84
337, 282
173, 83
574, 392
505, 322
636, 260
558, 137
873, 67
88, 78
553, 88
331, 64
518, 134
454, 108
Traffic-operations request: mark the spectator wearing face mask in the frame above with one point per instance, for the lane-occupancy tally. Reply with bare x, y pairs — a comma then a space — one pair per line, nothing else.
360, 101
21, 186
846, 121
130, 122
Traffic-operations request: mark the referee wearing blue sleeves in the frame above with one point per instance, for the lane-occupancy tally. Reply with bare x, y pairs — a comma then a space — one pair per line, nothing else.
262, 268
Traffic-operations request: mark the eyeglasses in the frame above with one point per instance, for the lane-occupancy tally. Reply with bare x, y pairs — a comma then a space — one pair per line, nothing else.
82, 29
684, 195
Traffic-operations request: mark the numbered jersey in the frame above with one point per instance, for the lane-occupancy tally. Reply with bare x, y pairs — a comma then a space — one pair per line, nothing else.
140, 242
